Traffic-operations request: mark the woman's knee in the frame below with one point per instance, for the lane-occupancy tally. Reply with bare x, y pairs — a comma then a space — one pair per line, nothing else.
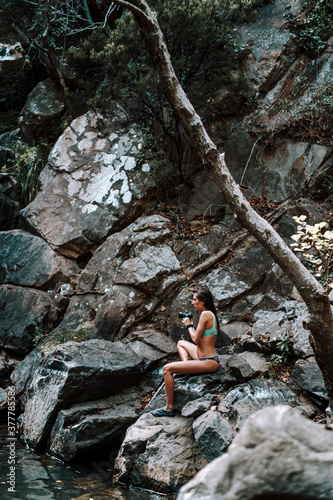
167, 369
180, 344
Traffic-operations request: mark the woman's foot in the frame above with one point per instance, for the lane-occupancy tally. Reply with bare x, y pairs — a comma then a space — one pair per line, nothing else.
161, 412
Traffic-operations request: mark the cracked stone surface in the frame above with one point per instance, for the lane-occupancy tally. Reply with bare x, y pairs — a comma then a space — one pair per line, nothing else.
93, 180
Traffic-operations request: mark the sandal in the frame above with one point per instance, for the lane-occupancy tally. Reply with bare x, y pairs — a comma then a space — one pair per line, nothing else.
161, 412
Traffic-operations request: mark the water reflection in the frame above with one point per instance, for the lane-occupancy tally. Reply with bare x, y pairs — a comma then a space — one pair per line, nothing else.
39, 477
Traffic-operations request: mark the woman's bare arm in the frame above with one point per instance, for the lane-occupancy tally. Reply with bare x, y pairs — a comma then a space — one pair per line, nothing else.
197, 333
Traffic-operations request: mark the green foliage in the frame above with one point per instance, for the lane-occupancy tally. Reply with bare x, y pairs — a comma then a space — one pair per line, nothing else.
285, 350
315, 27
70, 335
315, 245
40, 333
325, 187
11, 11
61, 337
199, 36
48, 20
27, 166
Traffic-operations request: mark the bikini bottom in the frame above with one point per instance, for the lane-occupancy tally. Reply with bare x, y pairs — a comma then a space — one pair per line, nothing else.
215, 358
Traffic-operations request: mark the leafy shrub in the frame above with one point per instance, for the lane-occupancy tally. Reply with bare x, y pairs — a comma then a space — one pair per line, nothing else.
199, 36
285, 350
315, 244
27, 166
40, 333
70, 335
315, 27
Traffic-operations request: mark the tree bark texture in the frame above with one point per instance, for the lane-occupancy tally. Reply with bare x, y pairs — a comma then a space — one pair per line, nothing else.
320, 321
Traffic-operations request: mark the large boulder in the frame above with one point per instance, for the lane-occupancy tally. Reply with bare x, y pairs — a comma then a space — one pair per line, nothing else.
21, 311
213, 434
308, 376
289, 167
94, 182
248, 365
75, 373
42, 112
159, 454
278, 454
124, 246
122, 278
241, 401
152, 346
95, 426
27, 260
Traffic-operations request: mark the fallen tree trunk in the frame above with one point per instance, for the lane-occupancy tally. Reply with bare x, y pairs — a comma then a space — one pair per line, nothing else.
320, 322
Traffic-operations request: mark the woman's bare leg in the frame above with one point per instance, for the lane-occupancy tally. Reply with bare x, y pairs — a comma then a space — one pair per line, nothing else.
186, 349
184, 368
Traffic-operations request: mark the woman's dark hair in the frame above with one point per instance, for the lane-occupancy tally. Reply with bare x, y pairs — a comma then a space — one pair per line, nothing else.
206, 297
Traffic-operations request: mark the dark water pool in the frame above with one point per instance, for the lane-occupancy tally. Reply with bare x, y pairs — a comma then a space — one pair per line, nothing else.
40, 477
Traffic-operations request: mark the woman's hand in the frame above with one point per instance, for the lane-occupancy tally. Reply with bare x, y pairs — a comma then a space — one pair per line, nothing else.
187, 322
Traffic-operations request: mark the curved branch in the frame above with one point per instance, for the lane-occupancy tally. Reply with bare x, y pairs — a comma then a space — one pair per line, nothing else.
136, 6
214, 161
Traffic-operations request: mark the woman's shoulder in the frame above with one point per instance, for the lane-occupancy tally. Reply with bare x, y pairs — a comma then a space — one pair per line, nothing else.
207, 315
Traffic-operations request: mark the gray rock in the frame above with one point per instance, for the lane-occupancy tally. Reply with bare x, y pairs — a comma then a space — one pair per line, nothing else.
92, 184
11, 58
270, 326
249, 344
190, 252
248, 365
197, 407
213, 434
278, 454
232, 332
147, 270
21, 311
123, 273
272, 48
74, 373
28, 260
42, 111
100, 273
151, 346
300, 163
307, 375
250, 262
101, 314
159, 454
10, 202
24, 373
3, 398
95, 426
224, 286
241, 401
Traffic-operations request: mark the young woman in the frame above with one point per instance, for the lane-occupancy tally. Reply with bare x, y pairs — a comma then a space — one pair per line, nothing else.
197, 358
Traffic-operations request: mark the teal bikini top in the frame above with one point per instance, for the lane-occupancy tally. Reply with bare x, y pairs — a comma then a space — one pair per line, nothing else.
212, 330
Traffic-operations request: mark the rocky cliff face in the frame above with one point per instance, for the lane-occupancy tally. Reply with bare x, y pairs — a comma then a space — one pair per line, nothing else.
97, 268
